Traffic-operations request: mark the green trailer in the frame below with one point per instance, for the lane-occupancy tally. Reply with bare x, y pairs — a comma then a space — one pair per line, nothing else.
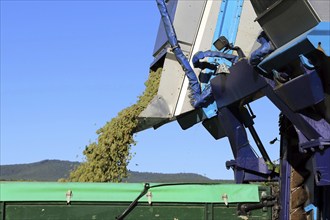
80, 201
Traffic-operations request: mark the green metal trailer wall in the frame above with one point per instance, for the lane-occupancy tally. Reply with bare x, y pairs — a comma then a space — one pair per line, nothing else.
34, 201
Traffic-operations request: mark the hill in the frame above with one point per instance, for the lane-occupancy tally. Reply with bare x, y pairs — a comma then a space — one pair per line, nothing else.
52, 170
143, 177
46, 170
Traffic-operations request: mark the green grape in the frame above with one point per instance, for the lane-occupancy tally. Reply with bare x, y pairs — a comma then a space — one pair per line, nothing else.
107, 159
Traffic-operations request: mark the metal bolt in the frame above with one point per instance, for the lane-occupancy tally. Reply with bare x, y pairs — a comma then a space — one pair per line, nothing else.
225, 199
149, 196
68, 197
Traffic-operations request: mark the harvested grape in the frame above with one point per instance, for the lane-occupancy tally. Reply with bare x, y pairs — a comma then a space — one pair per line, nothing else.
108, 157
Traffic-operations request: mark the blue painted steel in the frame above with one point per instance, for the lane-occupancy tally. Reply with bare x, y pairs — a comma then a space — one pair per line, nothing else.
321, 166
285, 189
305, 62
297, 98
265, 49
213, 54
246, 166
313, 208
249, 169
199, 98
301, 45
227, 25
231, 9
240, 84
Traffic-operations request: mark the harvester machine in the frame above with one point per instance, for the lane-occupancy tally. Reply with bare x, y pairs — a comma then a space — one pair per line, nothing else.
219, 56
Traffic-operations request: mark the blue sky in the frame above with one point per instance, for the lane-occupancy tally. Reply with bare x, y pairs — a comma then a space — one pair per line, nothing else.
68, 67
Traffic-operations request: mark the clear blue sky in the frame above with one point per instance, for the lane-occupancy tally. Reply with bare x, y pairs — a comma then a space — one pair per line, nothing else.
68, 67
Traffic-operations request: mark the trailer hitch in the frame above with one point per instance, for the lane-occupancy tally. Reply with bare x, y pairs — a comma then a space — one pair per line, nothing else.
268, 201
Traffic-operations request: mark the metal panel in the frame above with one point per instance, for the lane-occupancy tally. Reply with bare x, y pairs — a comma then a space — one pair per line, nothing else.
203, 41
322, 8
303, 44
103, 211
186, 18
188, 119
161, 108
248, 29
240, 83
214, 127
141, 212
227, 25
297, 98
220, 212
287, 19
161, 38
191, 18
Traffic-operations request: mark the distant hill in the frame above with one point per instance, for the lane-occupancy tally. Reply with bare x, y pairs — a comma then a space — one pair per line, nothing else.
143, 177
46, 170
52, 170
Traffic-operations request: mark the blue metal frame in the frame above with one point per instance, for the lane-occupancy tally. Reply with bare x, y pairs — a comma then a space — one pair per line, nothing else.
301, 45
232, 91
227, 25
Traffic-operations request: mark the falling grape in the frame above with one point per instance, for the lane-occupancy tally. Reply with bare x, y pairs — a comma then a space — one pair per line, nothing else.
107, 159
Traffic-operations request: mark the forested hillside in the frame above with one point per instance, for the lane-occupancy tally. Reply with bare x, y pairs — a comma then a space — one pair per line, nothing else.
52, 170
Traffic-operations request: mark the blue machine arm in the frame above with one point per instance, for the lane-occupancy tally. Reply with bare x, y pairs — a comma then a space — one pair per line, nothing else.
199, 97
259, 54
202, 54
